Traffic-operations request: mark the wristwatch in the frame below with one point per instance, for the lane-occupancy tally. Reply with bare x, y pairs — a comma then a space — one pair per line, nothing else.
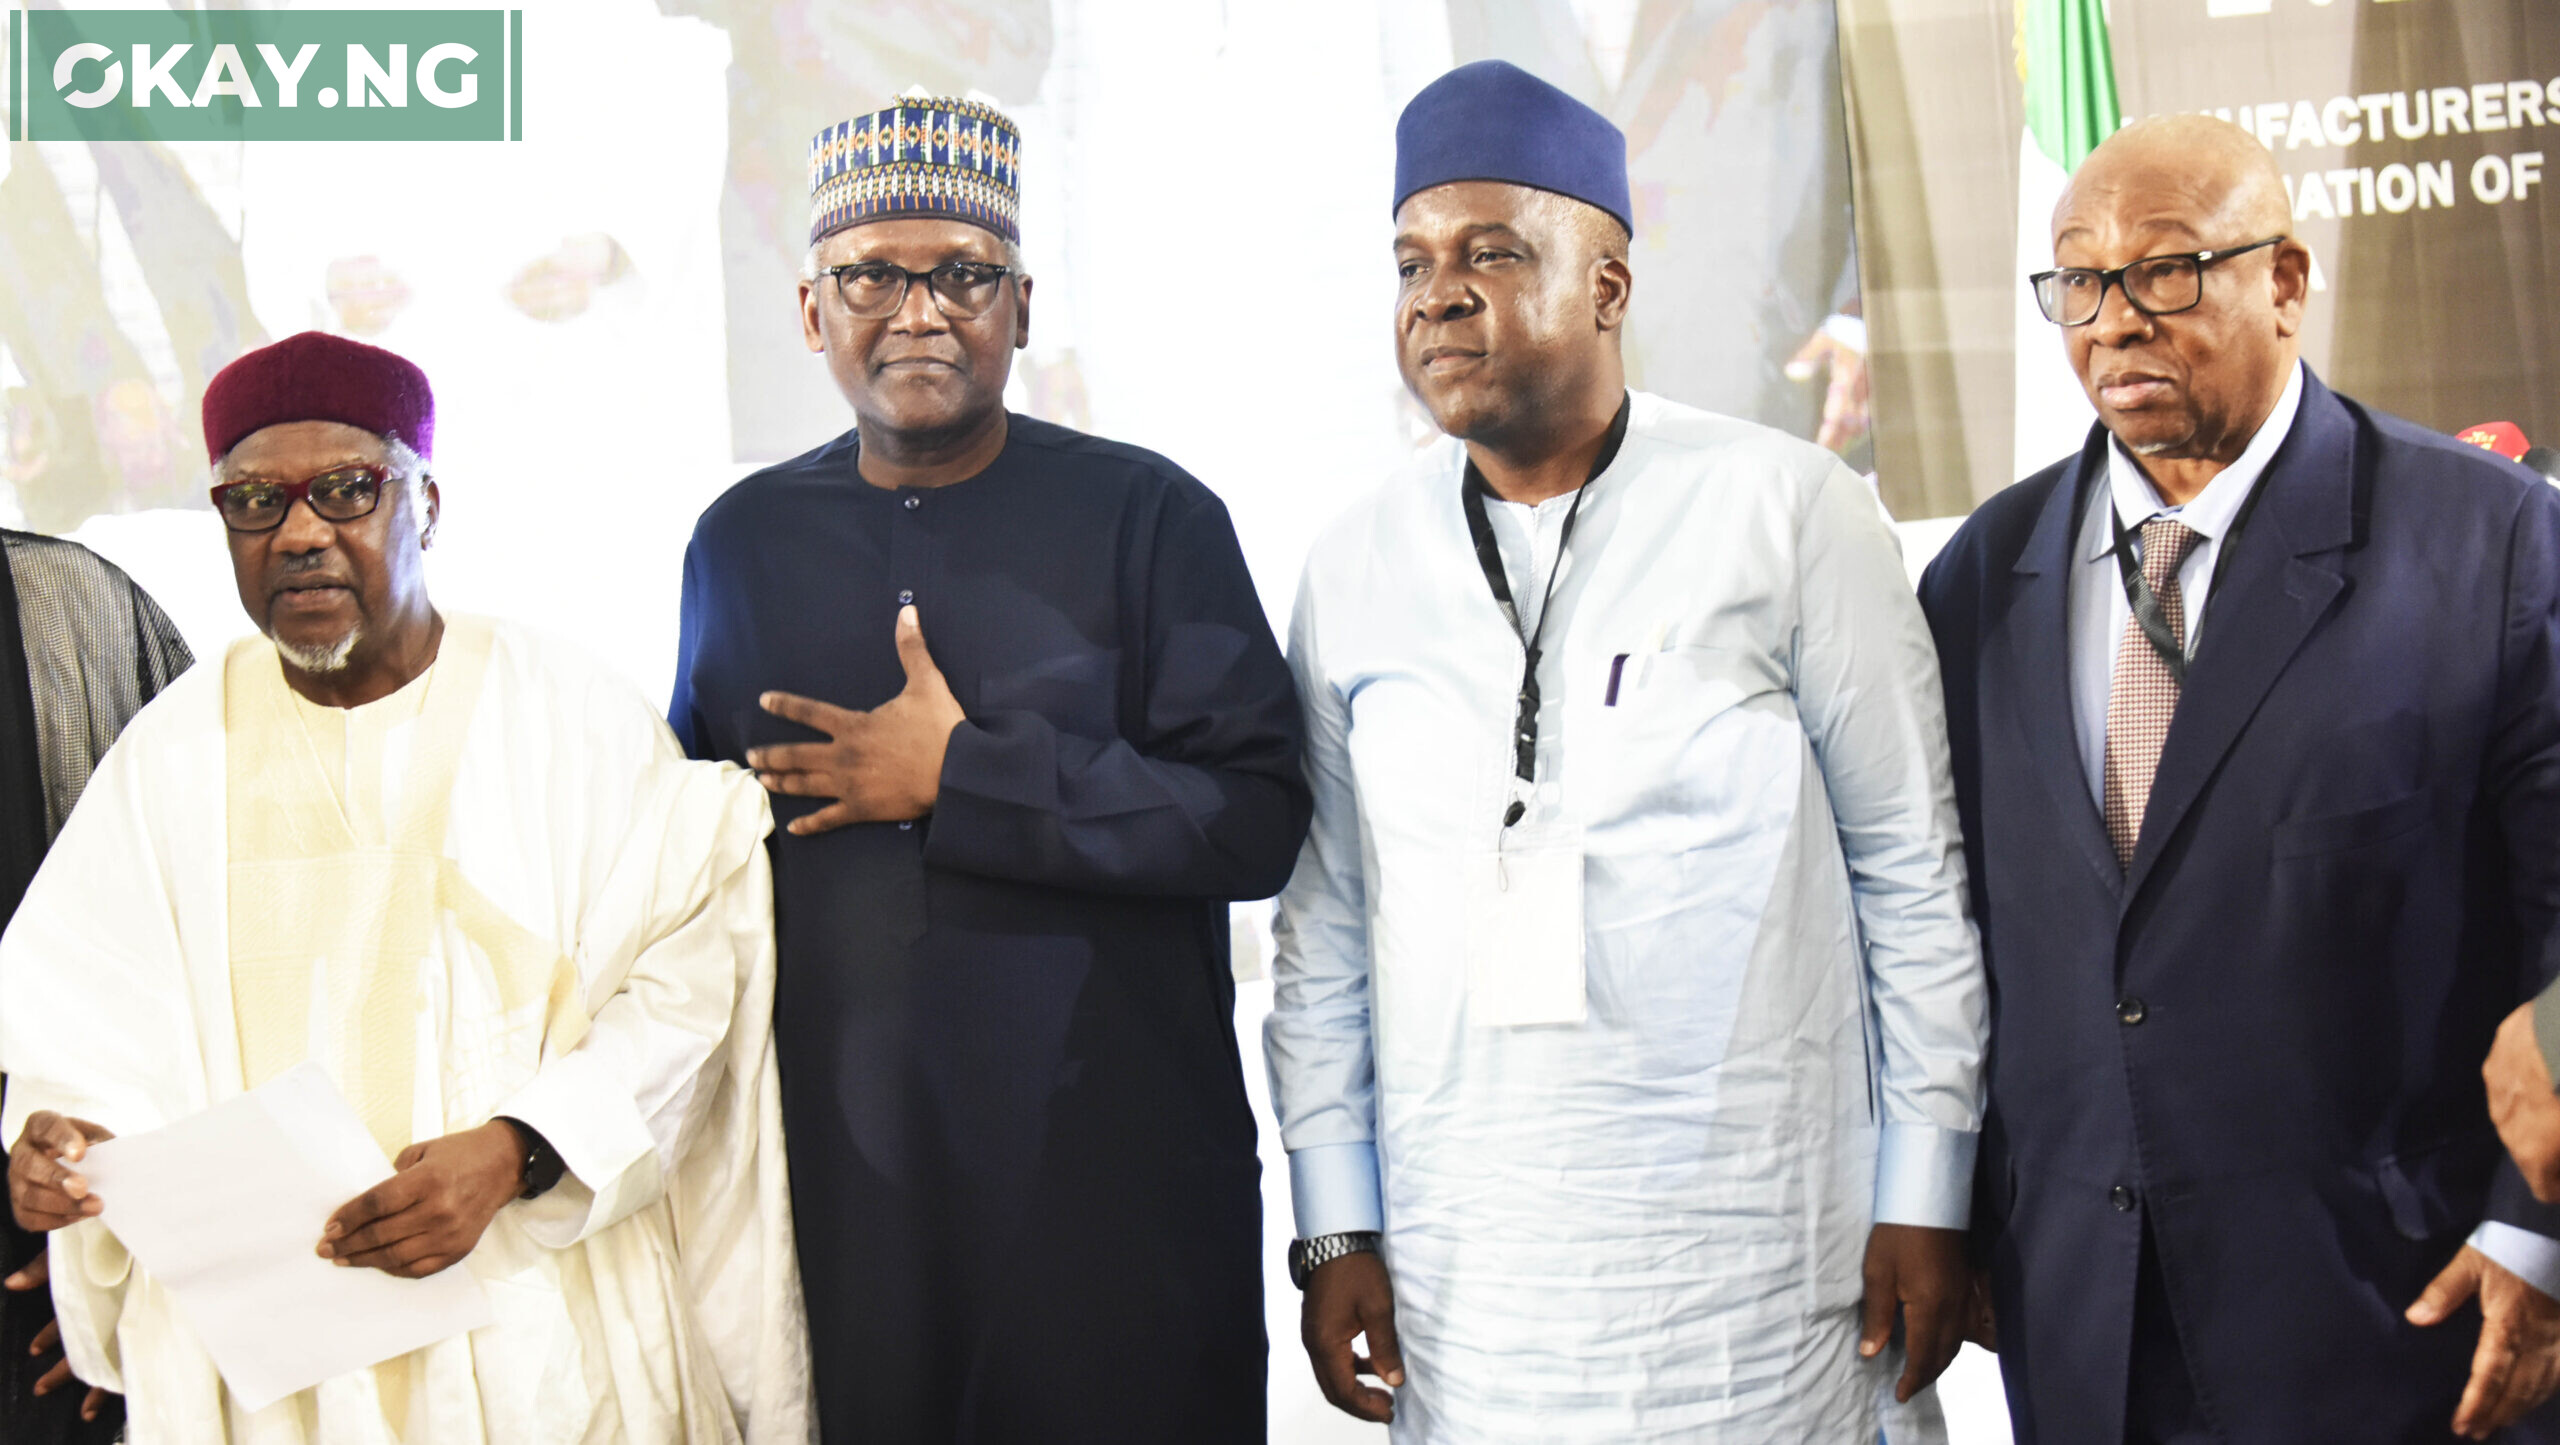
1307, 1255
543, 1165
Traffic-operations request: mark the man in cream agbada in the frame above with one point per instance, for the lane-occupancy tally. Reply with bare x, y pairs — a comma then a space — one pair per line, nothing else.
467, 873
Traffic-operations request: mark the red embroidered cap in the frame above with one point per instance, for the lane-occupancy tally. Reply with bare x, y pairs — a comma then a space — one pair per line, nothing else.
319, 377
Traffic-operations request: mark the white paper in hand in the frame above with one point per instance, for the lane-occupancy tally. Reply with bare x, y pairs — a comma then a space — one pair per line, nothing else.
225, 1210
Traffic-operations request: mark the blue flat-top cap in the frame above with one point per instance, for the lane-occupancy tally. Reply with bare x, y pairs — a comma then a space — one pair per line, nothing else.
1493, 121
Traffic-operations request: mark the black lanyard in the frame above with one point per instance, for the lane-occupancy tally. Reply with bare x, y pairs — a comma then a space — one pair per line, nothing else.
2148, 614
1524, 733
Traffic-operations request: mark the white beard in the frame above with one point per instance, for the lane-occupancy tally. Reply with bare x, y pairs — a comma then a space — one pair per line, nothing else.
332, 658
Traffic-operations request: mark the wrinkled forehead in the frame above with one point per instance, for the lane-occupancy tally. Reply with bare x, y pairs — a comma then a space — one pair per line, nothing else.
2145, 199
298, 448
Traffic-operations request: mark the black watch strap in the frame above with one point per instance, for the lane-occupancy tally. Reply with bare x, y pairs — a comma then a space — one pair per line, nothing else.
1306, 1256
543, 1166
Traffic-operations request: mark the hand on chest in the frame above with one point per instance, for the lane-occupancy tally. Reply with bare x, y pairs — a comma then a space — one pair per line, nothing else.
997, 648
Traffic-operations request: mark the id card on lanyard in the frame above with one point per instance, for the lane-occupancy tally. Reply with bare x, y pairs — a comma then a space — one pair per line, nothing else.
1524, 930
1523, 899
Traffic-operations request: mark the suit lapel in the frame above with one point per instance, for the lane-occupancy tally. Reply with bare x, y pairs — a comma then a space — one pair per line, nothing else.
2039, 658
2282, 578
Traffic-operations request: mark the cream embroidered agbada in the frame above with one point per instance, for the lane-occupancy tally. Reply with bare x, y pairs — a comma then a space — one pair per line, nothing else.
499, 890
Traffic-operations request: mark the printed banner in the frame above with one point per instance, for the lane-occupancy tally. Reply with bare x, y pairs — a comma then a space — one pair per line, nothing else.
2413, 135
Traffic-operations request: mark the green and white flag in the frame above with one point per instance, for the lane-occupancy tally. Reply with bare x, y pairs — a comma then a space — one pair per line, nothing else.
2069, 72
2070, 76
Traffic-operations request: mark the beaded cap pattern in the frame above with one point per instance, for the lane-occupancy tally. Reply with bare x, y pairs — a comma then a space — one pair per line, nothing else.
923, 157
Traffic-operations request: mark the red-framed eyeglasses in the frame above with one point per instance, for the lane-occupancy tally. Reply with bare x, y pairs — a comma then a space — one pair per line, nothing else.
340, 494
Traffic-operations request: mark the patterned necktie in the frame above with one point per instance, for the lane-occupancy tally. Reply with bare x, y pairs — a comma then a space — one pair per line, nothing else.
2145, 693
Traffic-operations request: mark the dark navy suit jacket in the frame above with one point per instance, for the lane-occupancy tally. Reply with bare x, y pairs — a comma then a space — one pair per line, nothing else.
2265, 1036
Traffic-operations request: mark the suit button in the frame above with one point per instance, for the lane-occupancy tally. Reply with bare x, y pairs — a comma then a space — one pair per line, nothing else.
2121, 1198
2129, 1011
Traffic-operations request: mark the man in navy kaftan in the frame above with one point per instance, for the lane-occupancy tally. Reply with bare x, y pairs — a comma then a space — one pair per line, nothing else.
1024, 1170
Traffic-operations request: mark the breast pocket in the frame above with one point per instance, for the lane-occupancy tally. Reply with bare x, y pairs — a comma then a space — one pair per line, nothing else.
1691, 731
2362, 827
1679, 688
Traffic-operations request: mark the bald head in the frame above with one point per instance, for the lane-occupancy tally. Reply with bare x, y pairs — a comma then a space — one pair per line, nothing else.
2192, 346
2205, 173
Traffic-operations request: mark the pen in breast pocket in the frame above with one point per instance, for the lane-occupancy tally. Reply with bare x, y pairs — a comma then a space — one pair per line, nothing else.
1653, 645
1617, 669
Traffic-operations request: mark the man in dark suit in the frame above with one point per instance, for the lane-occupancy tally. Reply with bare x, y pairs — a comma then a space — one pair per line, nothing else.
2255, 709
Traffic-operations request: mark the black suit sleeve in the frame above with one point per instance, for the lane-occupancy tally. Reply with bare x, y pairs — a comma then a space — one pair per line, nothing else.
1950, 598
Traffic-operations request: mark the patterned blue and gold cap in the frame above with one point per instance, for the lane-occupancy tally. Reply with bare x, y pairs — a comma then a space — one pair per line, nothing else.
928, 156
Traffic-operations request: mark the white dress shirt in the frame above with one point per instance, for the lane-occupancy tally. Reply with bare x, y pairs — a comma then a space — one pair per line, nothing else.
2098, 607
2099, 612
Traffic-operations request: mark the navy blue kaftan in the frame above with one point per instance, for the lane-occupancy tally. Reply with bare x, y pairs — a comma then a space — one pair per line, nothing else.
1023, 1167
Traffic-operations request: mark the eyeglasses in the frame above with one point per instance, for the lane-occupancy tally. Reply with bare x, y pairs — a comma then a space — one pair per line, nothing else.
874, 289
340, 494
2154, 285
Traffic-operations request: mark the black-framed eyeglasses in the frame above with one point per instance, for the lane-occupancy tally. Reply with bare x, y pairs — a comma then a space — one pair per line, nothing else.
2155, 285
874, 289
340, 494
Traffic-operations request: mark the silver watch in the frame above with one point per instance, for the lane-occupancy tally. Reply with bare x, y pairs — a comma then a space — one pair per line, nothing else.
1307, 1255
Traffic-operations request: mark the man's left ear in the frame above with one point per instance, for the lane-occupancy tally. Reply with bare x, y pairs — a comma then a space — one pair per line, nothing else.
1612, 286
1021, 313
2291, 279
435, 509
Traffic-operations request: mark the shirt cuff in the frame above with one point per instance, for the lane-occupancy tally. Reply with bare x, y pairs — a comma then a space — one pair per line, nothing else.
589, 1120
2528, 1256
1335, 1189
1924, 1175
